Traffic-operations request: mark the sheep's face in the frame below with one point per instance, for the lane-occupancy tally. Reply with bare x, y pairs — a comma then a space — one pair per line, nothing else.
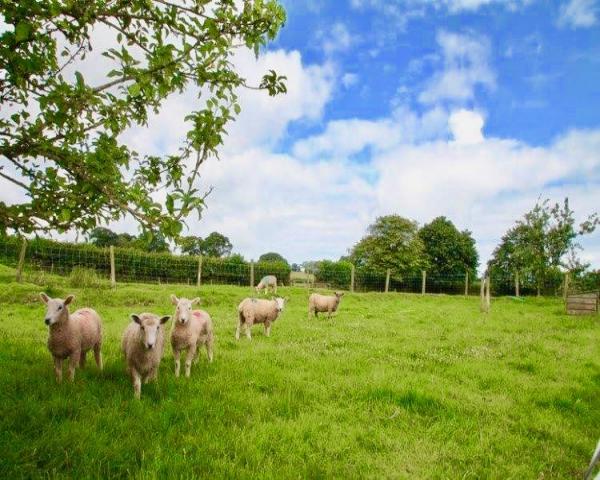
338, 295
150, 326
56, 309
280, 304
183, 309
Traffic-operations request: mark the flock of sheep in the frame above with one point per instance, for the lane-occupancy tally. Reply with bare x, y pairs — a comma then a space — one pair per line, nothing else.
73, 335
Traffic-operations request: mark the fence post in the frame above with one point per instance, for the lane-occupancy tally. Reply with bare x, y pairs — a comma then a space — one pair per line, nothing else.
113, 276
423, 281
566, 286
517, 285
21, 260
352, 279
487, 295
482, 295
199, 282
251, 273
466, 284
387, 281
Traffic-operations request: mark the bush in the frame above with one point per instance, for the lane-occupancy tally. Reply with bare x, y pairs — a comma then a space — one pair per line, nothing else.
84, 277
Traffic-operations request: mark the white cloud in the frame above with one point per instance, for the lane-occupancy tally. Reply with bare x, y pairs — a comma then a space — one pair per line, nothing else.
349, 79
465, 67
578, 13
404, 8
466, 127
336, 38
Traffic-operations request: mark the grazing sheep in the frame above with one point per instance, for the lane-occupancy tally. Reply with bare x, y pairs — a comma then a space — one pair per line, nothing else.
323, 303
267, 282
71, 335
253, 310
143, 345
190, 328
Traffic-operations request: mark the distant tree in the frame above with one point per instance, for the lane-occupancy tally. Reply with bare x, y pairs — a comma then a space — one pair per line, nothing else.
103, 237
296, 267
447, 250
191, 245
542, 242
391, 242
151, 242
236, 258
216, 245
272, 257
125, 240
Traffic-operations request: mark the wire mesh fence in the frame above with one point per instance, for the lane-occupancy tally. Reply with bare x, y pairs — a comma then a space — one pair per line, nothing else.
130, 265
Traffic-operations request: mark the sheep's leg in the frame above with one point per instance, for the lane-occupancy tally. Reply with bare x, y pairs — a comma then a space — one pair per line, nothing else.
237, 330
275, 289
58, 369
137, 383
248, 334
176, 355
73, 361
209, 349
152, 375
82, 359
191, 353
98, 355
329, 314
268, 329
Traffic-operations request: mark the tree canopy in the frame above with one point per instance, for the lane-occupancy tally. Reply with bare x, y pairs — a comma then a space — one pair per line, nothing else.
104, 237
447, 250
214, 245
542, 242
272, 257
61, 130
391, 242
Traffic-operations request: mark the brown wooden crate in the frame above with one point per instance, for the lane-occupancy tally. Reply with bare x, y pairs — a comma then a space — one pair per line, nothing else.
582, 312
593, 295
582, 301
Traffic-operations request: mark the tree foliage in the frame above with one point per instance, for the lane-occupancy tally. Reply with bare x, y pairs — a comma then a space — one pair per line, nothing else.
146, 241
272, 257
544, 241
214, 245
60, 130
447, 250
391, 242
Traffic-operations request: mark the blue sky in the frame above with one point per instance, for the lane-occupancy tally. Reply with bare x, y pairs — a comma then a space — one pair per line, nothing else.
471, 109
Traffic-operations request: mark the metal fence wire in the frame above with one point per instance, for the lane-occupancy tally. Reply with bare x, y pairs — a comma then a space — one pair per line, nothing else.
131, 265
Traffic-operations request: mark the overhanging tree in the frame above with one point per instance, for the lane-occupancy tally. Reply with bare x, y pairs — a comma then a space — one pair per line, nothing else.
60, 131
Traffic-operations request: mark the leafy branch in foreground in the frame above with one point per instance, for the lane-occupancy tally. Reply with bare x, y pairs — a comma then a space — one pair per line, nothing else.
60, 132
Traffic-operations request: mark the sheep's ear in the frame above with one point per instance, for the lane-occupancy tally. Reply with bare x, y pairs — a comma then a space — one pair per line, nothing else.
45, 298
174, 300
136, 318
69, 299
165, 319
196, 301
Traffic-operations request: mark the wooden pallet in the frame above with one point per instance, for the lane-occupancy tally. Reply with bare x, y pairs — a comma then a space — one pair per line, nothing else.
582, 303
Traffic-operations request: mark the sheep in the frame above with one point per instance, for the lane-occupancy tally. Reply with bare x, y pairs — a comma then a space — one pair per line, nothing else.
252, 310
143, 346
71, 335
266, 283
190, 328
323, 303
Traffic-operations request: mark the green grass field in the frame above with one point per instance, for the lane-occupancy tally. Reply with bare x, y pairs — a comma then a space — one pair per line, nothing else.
396, 386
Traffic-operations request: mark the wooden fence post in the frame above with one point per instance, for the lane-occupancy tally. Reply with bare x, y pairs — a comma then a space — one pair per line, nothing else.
21, 260
566, 286
352, 279
251, 273
423, 281
517, 285
482, 295
487, 295
387, 281
466, 284
199, 282
113, 275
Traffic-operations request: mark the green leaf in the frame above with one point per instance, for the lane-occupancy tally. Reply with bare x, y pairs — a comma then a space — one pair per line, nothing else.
134, 89
22, 31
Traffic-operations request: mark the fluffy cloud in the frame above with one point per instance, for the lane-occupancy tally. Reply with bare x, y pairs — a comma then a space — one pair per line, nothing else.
578, 13
465, 67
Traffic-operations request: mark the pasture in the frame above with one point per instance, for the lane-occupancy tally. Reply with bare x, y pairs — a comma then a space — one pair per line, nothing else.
395, 386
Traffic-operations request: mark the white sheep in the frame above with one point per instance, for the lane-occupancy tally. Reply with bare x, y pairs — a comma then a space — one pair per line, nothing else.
143, 346
190, 329
71, 335
266, 283
323, 303
252, 310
